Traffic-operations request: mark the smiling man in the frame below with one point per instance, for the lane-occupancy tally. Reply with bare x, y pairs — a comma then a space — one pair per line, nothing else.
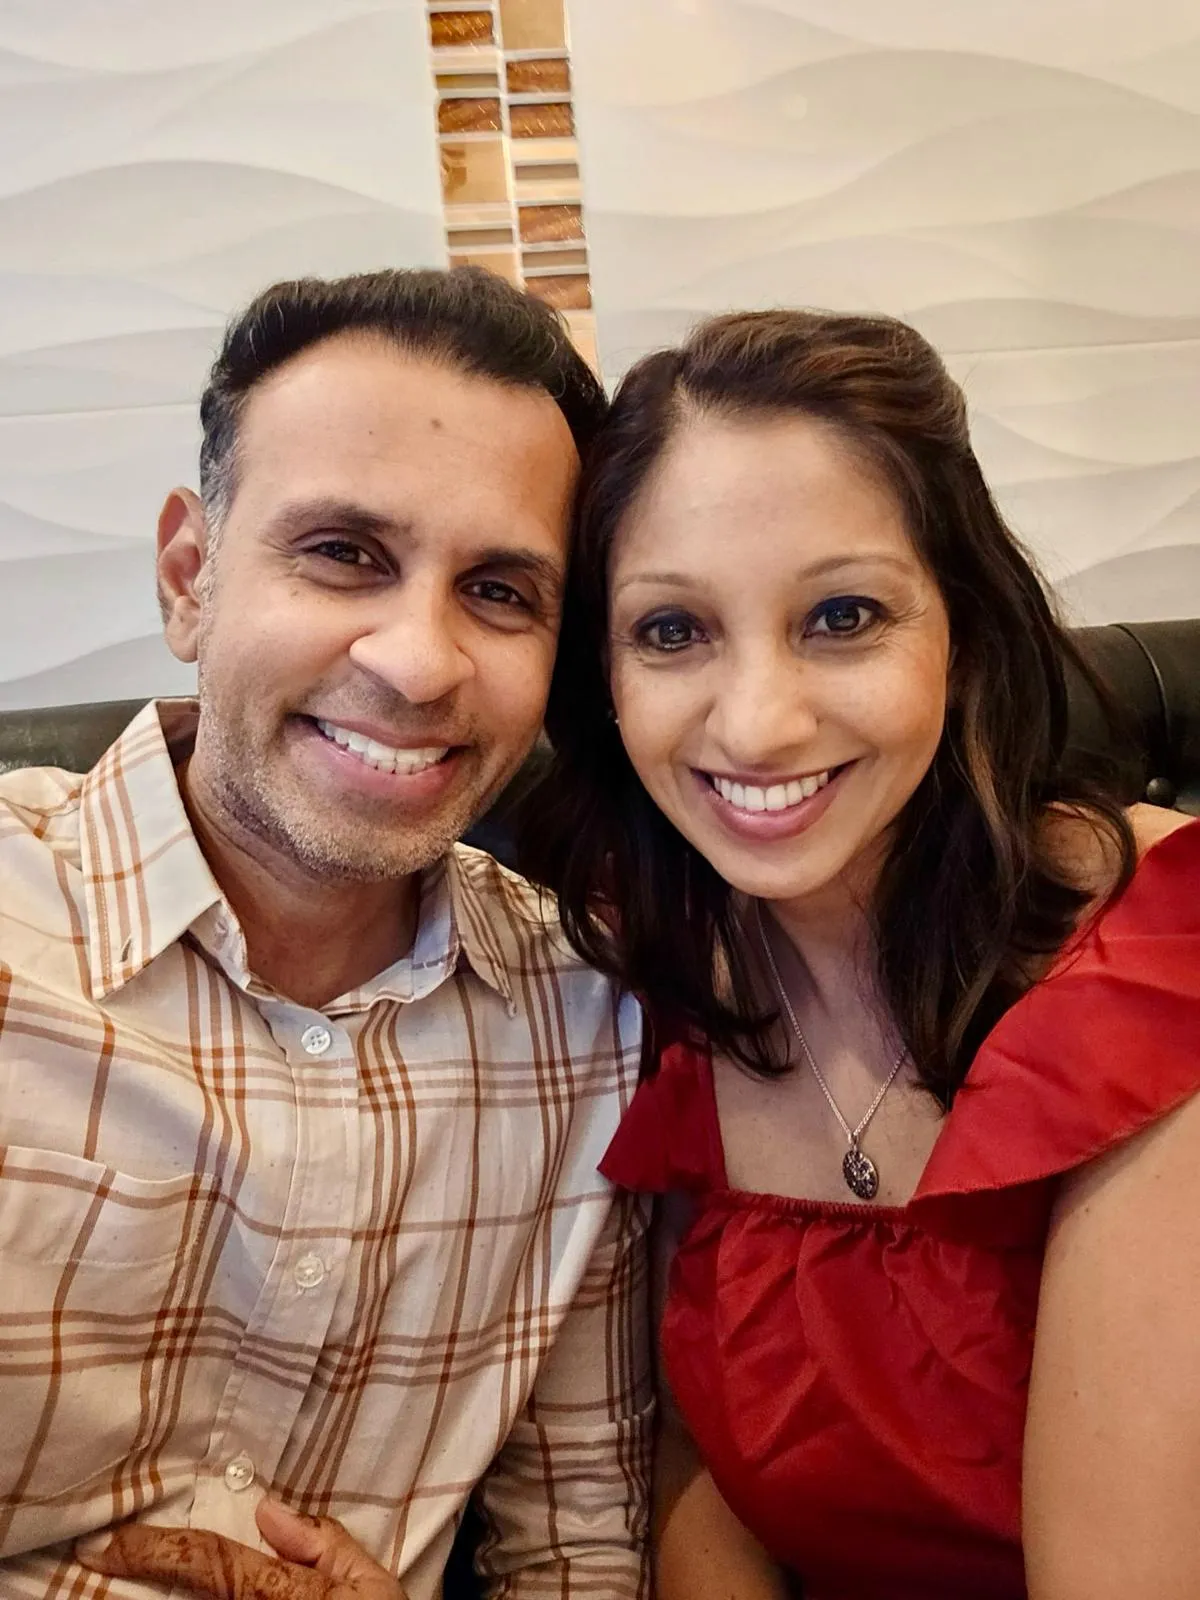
301, 1100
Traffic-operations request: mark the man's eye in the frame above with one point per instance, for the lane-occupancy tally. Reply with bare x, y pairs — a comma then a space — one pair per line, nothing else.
344, 551
844, 617
669, 633
499, 594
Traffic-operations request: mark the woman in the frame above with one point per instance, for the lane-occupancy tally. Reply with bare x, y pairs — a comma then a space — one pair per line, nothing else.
927, 1008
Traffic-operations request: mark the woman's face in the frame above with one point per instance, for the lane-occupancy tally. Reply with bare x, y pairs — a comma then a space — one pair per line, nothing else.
779, 653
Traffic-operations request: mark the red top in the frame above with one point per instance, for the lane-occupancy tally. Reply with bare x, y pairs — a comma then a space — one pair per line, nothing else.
856, 1376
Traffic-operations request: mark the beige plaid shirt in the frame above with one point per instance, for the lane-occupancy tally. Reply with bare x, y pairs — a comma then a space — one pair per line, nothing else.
361, 1256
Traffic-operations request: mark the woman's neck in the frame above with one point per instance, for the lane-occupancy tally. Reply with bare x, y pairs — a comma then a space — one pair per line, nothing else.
834, 949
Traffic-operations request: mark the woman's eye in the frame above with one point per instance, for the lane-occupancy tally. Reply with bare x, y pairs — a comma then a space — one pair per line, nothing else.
843, 618
344, 551
668, 633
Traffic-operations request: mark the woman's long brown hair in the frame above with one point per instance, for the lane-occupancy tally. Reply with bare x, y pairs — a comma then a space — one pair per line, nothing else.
971, 897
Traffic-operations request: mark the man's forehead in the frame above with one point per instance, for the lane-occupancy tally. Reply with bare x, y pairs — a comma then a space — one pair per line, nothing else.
368, 386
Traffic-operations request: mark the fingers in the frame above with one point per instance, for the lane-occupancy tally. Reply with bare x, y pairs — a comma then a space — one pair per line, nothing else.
322, 1543
296, 1537
203, 1563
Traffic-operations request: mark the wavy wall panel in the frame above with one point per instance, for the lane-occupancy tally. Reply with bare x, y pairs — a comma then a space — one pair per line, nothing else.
160, 162
1022, 181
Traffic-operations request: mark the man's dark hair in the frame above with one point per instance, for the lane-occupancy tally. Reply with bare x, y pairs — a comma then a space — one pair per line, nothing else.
467, 318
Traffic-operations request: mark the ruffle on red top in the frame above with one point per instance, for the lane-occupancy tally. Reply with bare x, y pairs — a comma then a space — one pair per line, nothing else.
1106, 1043
669, 1137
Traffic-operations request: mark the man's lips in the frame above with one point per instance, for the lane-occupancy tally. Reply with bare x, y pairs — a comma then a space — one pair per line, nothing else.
374, 748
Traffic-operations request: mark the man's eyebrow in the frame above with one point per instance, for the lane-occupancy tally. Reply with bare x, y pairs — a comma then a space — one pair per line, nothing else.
344, 515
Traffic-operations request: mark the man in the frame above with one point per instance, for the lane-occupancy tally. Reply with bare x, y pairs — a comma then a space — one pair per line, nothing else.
300, 1102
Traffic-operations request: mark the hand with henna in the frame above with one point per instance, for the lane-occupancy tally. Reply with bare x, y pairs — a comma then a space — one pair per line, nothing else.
317, 1560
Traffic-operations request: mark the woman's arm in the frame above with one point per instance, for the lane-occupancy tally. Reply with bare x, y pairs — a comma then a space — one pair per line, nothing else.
1112, 1444
701, 1551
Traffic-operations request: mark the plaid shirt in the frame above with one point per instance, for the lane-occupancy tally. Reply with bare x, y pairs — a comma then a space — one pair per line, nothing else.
360, 1256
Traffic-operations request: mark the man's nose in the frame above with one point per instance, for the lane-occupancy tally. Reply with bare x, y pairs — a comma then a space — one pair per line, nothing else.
415, 647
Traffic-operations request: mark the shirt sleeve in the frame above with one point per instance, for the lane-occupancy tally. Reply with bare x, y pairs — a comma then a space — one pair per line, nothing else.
566, 1504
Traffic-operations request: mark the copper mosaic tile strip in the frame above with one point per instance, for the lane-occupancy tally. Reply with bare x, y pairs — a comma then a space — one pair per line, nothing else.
502, 262
537, 260
552, 76
565, 291
533, 24
475, 173
510, 169
468, 115
552, 121
539, 224
449, 28
455, 82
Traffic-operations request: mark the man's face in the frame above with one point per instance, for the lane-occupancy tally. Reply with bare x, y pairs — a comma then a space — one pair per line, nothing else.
376, 639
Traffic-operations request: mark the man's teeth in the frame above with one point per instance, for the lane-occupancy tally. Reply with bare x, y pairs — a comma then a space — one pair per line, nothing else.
748, 797
405, 762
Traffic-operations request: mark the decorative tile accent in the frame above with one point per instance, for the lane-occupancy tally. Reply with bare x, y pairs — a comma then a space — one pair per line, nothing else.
533, 24
550, 224
552, 120
539, 76
466, 114
453, 28
510, 164
565, 291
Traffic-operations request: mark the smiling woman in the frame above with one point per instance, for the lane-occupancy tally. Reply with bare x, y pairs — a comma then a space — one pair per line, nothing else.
785, 532
924, 1026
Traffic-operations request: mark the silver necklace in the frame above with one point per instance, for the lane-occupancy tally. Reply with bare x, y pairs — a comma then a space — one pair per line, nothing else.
860, 1172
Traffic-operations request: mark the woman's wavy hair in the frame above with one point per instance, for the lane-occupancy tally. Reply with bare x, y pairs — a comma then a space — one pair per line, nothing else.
971, 898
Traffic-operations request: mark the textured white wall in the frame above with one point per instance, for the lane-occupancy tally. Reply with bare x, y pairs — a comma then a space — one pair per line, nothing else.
1019, 179
160, 162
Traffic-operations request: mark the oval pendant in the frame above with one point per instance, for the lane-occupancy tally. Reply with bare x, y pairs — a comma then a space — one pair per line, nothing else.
860, 1173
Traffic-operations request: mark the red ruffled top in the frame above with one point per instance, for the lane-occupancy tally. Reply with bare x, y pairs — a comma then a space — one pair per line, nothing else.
855, 1376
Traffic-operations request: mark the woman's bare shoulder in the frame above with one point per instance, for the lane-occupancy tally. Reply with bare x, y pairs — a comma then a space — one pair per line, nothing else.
1087, 849
1152, 823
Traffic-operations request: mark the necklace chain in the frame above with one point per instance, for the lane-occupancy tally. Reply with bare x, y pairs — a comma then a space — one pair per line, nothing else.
853, 1135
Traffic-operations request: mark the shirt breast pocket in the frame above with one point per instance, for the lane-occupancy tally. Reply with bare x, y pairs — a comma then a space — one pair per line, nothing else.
98, 1276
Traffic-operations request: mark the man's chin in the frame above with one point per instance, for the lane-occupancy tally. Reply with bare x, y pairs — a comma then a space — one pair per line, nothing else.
357, 844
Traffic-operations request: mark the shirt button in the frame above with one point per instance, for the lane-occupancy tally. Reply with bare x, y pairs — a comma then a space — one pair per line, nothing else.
239, 1474
309, 1271
316, 1040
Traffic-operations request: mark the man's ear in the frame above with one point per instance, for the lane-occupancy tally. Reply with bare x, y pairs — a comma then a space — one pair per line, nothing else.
182, 546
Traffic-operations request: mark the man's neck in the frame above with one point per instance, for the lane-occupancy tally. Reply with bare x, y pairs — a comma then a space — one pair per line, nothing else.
307, 938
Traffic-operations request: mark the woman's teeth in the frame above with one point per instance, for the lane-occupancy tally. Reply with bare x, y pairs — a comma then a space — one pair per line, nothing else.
778, 797
382, 756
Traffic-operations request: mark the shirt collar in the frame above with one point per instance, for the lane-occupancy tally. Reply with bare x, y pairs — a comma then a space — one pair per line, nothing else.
146, 880
144, 875
457, 923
